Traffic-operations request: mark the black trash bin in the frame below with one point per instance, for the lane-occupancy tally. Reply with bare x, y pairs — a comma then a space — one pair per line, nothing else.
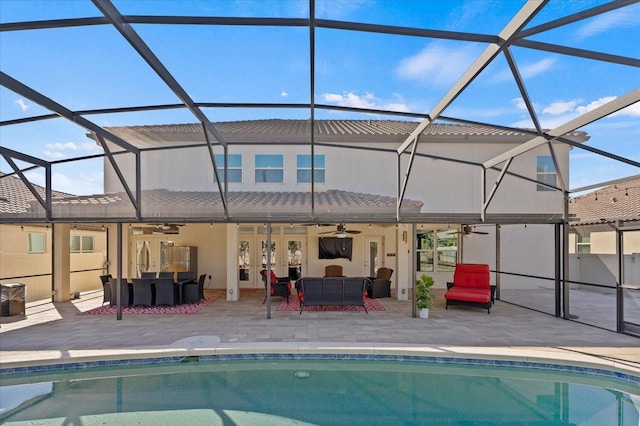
12, 299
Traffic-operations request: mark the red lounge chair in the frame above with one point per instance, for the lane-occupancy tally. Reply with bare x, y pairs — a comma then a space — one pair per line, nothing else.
470, 286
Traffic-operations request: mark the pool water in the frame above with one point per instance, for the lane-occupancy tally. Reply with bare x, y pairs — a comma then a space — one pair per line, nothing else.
318, 392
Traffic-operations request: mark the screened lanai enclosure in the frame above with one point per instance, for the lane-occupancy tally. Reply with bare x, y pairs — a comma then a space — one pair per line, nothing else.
423, 133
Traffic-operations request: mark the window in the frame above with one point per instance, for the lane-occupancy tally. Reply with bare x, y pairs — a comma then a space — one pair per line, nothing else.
446, 242
545, 172
583, 243
81, 244
425, 250
304, 168
35, 242
269, 168
447, 250
234, 171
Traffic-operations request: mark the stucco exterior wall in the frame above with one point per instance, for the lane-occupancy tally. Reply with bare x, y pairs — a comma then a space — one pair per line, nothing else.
35, 269
604, 242
443, 186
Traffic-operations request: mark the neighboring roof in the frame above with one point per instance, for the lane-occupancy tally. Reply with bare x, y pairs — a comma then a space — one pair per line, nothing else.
614, 202
296, 131
208, 204
15, 197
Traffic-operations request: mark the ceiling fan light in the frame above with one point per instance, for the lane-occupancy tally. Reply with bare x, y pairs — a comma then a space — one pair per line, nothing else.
341, 235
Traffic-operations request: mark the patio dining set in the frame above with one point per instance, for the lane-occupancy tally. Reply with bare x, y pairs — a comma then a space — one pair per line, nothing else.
154, 289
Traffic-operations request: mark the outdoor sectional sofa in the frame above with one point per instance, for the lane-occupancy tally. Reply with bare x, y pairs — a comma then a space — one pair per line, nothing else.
329, 291
470, 286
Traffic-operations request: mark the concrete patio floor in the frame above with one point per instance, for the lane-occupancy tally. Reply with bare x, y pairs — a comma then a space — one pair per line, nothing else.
54, 333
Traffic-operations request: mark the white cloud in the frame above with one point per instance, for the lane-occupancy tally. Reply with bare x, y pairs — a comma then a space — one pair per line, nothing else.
561, 112
628, 16
519, 104
593, 105
428, 66
632, 110
62, 146
526, 71
23, 106
284, 94
396, 107
56, 150
537, 68
559, 107
53, 155
368, 101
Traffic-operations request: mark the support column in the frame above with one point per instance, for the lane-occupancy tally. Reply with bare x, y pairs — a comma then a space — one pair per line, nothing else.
232, 263
61, 262
405, 268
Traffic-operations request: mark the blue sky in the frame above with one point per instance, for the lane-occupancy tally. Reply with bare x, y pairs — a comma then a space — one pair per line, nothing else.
93, 67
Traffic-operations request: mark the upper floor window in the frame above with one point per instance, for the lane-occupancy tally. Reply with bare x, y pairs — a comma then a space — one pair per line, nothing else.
234, 170
35, 242
545, 172
81, 244
304, 168
269, 168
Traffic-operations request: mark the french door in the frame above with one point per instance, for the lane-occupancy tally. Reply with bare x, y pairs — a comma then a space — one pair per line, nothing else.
373, 256
288, 258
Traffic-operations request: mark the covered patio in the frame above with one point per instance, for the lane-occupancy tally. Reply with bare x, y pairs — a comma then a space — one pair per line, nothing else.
54, 333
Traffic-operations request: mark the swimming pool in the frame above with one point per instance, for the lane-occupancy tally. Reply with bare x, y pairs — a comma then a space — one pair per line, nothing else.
321, 389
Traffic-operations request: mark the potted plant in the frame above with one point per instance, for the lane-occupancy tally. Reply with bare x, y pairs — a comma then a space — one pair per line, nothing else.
424, 295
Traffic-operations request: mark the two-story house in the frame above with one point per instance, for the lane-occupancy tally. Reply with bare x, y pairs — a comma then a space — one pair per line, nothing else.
285, 173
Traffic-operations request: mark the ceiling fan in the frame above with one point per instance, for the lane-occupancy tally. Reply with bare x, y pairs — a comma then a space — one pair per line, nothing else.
341, 231
166, 228
468, 230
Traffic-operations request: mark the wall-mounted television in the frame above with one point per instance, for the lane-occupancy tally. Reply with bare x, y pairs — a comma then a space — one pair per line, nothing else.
335, 248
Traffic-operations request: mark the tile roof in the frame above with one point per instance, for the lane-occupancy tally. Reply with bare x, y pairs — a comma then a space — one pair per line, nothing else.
15, 197
292, 131
206, 204
614, 202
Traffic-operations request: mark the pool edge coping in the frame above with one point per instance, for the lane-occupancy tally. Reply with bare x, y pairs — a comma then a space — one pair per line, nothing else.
11, 362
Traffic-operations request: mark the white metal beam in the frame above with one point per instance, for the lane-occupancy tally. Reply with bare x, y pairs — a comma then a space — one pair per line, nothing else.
127, 31
519, 20
586, 118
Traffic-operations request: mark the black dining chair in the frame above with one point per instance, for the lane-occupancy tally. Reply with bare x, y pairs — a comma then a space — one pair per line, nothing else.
165, 292
185, 276
142, 291
165, 274
106, 288
147, 274
193, 291
125, 292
